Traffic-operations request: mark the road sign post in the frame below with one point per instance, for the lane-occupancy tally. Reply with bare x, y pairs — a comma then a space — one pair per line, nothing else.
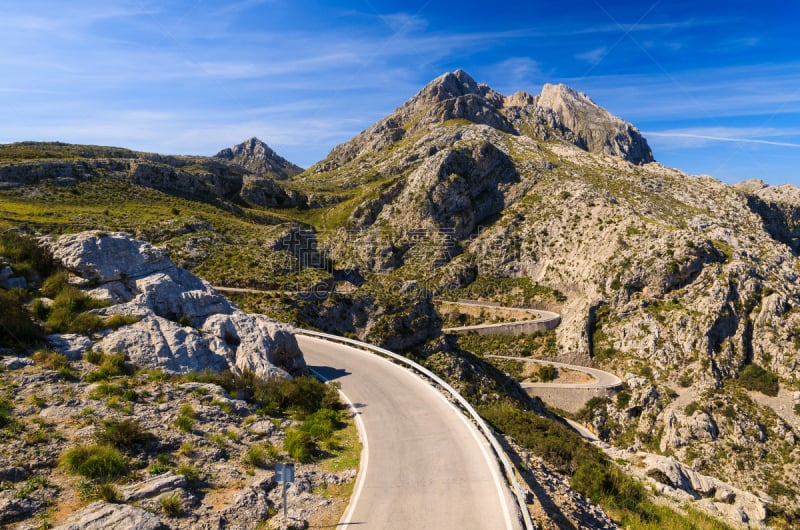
284, 473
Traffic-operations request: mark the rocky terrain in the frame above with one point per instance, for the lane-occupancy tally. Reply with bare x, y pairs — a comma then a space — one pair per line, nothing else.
258, 158
147, 393
682, 285
227, 177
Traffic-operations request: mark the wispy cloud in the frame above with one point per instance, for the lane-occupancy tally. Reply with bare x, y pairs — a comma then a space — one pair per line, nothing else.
593, 56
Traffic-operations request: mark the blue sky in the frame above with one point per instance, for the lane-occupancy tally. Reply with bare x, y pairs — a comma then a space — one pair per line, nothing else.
713, 85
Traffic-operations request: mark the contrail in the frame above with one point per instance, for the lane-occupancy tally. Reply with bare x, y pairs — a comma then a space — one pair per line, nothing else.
721, 138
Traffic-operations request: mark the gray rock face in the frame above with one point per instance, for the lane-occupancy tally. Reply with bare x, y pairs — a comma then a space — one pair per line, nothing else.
223, 178
257, 343
719, 498
153, 486
104, 516
146, 284
257, 157
109, 257
70, 344
12, 509
456, 96
456, 189
158, 342
590, 126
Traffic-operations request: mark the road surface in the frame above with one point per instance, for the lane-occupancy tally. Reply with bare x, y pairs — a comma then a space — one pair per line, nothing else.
424, 465
602, 379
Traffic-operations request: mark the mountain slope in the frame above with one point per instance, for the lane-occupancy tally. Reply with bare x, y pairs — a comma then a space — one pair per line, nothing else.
681, 281
195, 177
258, 158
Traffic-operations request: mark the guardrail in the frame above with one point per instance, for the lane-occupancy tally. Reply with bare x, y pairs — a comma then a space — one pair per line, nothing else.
508, 468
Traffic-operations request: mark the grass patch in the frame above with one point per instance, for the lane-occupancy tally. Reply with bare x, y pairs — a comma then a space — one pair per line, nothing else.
126, 434
96, 462
112, 365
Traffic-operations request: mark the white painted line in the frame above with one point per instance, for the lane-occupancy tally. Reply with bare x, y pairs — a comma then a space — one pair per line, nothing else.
491, 461
362, 467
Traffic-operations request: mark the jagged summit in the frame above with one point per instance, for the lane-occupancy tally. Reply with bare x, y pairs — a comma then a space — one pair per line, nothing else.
589, 125
559, 112
257, 157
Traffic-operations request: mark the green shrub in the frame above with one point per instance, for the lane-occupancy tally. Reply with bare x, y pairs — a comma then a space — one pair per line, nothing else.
17, 328
53, 361
106, 390
26, 254
300, 445
754, 377
94, 462
190, 472
6, 417
691, 408
321, 424
185, 419
68, 312
123, 434
94, 357
184, 423
547, 373
55, 284
39, 310
590, 408
255, 456
607, 484
162, 464
117, 321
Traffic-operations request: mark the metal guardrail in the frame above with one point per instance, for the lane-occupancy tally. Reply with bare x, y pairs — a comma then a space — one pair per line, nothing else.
508, 468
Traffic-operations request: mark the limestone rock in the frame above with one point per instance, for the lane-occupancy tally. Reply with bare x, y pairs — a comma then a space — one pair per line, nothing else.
590, 126
257, 157
104, 516
153, 486
108, 257
158, 342
12, 509
255, 343
16, 363
72, 345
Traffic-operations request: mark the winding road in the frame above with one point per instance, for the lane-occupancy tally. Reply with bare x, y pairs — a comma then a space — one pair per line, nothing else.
602, 379
423, 464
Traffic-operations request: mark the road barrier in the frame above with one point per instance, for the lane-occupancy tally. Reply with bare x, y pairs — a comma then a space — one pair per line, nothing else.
487, 432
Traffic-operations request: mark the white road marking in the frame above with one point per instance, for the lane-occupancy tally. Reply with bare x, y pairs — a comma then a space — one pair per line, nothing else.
362, 468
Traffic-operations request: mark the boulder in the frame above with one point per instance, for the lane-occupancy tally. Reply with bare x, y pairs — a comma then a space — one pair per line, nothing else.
254, 342
158, 342
106, 257
104, 516
72, 345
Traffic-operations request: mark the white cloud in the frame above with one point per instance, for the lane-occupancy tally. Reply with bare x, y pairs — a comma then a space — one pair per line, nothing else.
593, 56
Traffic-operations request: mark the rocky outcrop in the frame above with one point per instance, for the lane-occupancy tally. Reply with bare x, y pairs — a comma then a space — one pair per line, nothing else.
559, 112
258, 158
101, 515
140, 280
582, 122
718, 498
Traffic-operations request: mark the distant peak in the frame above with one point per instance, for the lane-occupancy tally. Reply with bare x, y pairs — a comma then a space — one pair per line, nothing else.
258, 157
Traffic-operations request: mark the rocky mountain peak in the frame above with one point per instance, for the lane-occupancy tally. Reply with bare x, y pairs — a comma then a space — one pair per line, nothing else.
590, 126
257, 157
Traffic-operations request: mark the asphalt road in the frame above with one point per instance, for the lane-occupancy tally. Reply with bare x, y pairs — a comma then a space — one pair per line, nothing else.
424, 465
602, 379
